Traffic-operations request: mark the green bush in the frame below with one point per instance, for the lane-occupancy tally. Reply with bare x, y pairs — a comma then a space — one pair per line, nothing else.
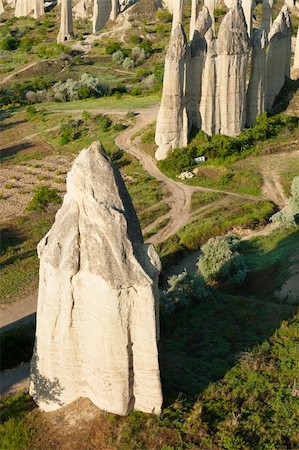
9, 43
220, 260
164, 16
113, 47
289, 216
135, 39
43, 197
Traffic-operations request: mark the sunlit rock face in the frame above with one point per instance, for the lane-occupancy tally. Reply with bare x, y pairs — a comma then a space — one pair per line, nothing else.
24, 8
257, 88
279, 55
172, 121
97, 323
83, 9
233, 50
295, 68
66, 22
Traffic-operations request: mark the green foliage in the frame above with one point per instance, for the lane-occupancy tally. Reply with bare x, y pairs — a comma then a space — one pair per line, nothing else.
15, 432
9, 43
183, 290
164, 16
49, 51
220, 260
135, 39
43, 197
256, 404
289, 216
113, 47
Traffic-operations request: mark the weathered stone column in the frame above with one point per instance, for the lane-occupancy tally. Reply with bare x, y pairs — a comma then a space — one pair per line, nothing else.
83, 9
194, 15
24, 8
39, 8
195, 68
233, 51
209, 103
114, 10
257, 89
101, 14
296, 55
279, 55
96, 333
248, 7
178, 14
66, 22
1, 7
172, 121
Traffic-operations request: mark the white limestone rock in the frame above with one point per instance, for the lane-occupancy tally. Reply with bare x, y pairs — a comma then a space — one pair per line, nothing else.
24, 8
257, 89
172, 122
194, 14
248, 7
39, 8
66, 22
209, 104
101, 13
296, 54
1, 7
83, 9
233, 50
178, 15
195, 68
279, 55
115, 8
96, 332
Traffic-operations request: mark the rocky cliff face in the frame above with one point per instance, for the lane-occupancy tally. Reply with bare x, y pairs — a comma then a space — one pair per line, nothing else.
96, 333
172, 123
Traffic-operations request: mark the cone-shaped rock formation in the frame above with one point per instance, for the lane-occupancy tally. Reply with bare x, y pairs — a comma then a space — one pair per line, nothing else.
24, 8
172, 123
233, 52
66, 22
98, 296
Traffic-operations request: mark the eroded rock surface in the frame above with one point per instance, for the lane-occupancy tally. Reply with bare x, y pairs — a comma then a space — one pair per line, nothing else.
279, 55
172, 123
101, 13
96, 333
233, 48
257, 88
66, 22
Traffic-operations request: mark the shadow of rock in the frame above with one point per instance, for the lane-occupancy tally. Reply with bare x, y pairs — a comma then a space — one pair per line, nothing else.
45, 390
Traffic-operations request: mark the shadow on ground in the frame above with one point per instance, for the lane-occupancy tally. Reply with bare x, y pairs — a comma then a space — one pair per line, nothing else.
201, 343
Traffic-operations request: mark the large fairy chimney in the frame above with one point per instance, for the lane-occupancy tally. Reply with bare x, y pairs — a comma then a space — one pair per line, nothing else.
66, 22
233, 50
97, 314
172, 121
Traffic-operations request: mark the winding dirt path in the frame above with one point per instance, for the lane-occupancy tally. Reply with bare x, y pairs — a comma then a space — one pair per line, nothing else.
16, 72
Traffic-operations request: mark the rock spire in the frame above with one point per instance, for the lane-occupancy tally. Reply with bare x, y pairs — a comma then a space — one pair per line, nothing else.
194, 15
1, 7
178, 14
296, 55
24, 8
257, 88
96, 332
279, 55
233, 50
66, 21
172, 123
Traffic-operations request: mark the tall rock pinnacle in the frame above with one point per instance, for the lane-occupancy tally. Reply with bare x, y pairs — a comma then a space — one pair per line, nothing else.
66, 21
172, 122
97, 326
101, 13
233, 52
